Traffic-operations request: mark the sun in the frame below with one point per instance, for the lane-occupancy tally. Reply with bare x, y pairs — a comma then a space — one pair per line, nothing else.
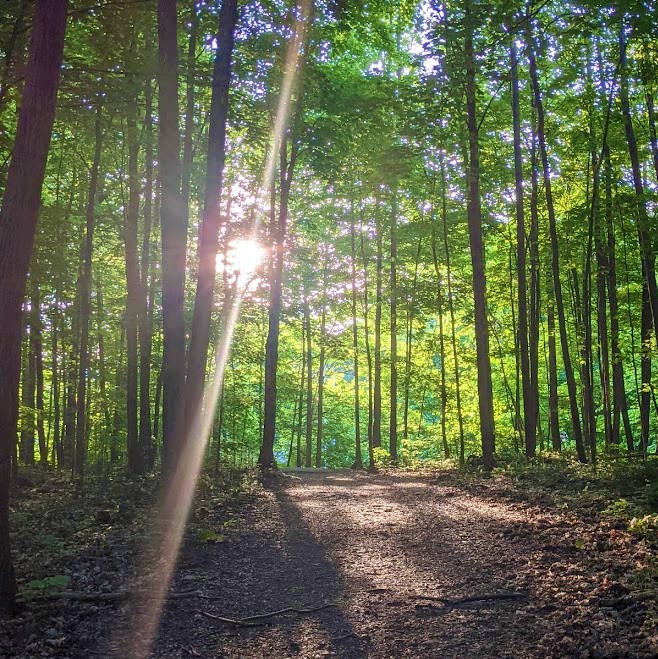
243, 257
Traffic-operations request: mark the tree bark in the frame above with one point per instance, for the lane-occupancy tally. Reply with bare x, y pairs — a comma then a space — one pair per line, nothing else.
529, 421
358, 461
555, 259
393, 418
136, 458
474, 212
212, 218
18, 219
84, 297
173, 234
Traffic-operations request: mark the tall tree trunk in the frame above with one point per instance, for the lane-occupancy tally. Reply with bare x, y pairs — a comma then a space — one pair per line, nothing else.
26, 452
411, 303
188, 131
535, 280
18, 219
37, 349
300, 402
84, 296
451, 306
366, 332
136, 458
57, 458
377, 389
266, 458
442, 352
555, 259
323, 325
393, 418
173, 234
485, 393
309, 385
529, 419
646, 242
145, 312
358, 462
211, 221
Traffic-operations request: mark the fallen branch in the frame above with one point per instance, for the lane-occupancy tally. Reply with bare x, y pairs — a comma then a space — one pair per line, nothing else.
251, 621
472, 598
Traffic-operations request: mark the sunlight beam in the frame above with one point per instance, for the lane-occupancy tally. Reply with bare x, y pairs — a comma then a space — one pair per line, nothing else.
179, 494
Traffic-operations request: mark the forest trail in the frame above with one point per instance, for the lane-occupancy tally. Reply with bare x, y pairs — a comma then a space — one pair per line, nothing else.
373, 544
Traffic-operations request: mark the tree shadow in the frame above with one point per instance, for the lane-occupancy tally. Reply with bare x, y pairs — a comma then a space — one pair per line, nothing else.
276, 564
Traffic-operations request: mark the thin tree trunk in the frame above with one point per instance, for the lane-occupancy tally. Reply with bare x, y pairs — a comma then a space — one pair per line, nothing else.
266, 458
555, 259
37, 349
57, 458
136, 459
451, 307
393, 419
188, 130
442, 352
358, 462
529, 404
323, 324
145, 315
377, 393
366, 331
84, 297
309, 385
411, 302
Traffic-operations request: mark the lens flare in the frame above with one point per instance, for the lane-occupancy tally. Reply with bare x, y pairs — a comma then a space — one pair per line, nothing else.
176, 502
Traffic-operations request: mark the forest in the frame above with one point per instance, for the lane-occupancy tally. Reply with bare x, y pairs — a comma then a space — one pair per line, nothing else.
310, 248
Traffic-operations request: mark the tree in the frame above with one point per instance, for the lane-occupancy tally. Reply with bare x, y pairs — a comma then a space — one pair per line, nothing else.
18, 220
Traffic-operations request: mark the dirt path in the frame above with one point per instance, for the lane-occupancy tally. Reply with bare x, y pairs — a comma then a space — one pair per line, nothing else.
372, 544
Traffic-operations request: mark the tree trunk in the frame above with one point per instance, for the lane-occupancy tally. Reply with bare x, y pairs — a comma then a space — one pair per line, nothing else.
136, 459
646, 242
266, 458
173, 234
377, 389
451, 306
529, 421
485, 393
411, 303
366, 332
37, 350
442, 352
555, 259
393, 419
358, 462
145, 313
18, 219
26, 452
188, 131
84, 296
323, 325
212, 218
309, 385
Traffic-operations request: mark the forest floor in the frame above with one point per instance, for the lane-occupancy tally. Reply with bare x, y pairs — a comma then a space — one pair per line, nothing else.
368, 551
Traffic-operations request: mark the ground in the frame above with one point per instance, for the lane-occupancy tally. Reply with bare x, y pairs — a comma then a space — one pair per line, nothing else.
371, 549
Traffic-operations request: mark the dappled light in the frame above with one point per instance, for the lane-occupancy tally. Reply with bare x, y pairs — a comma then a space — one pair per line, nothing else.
328, 328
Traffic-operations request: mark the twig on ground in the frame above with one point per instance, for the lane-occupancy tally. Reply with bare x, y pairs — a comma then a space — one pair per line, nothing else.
250, 621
